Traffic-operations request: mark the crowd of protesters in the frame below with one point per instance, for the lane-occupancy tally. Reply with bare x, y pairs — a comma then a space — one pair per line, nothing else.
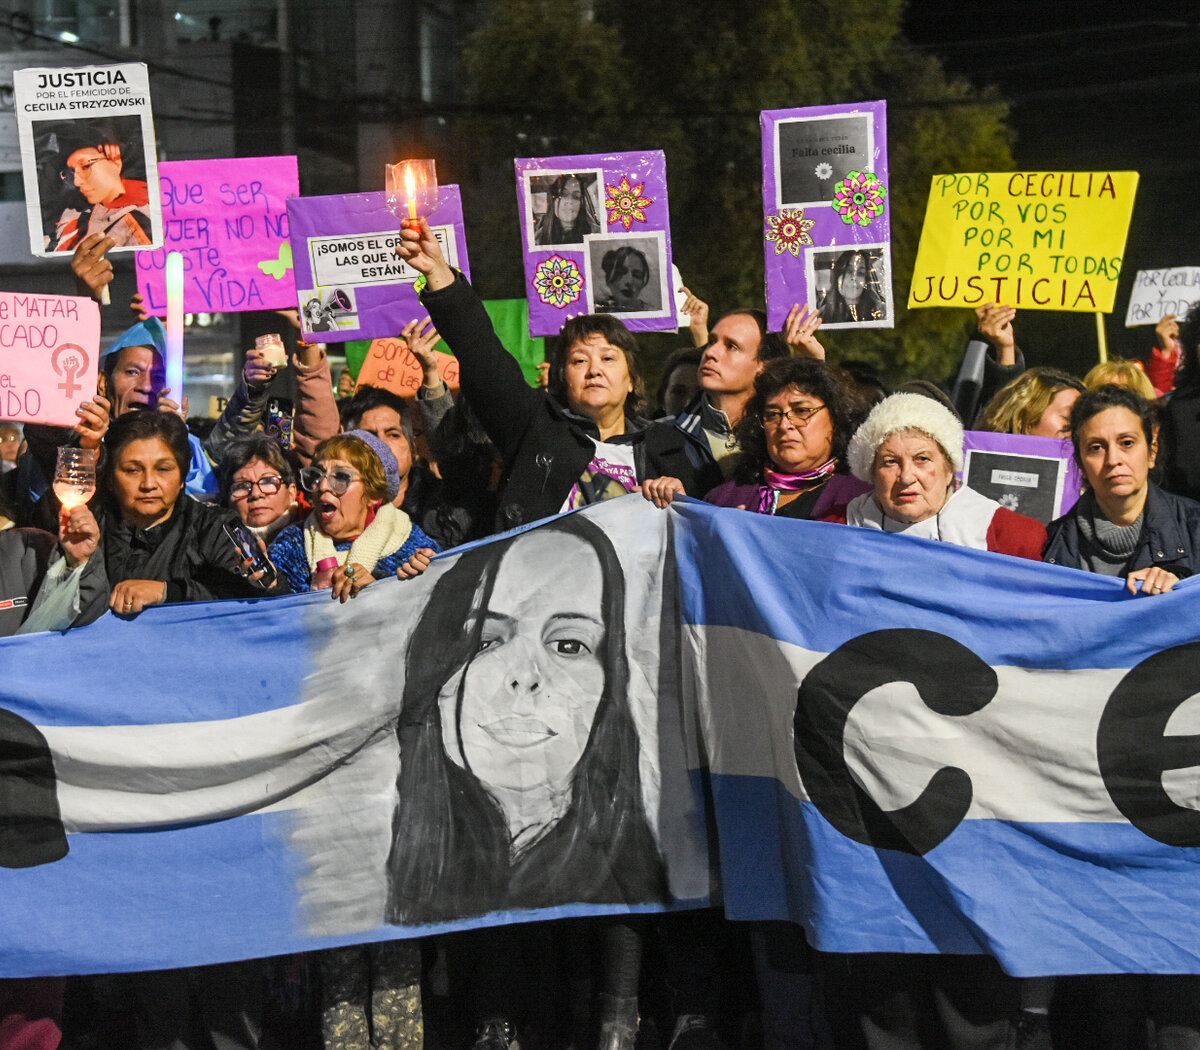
745, 418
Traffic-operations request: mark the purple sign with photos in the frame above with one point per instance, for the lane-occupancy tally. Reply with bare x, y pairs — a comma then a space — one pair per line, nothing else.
1035, 476
596, 236
350, 284
827, 218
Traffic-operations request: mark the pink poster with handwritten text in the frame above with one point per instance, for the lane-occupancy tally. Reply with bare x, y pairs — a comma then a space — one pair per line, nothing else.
229, 221
49, 346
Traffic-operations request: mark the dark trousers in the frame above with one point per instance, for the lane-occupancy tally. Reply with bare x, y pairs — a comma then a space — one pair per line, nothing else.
922, 1002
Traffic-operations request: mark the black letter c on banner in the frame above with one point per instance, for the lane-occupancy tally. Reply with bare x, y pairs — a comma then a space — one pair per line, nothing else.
1133, 753
31, 830
951, 679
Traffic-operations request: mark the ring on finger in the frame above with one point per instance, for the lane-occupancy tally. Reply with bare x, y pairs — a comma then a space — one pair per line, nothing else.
351, 571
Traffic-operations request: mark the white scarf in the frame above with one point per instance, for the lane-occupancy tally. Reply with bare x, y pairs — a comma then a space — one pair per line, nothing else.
385, 535
267, 533
964, 519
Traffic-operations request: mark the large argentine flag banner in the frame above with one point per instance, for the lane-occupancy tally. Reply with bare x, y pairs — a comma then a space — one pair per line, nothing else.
499, 740
911, 747
916, 747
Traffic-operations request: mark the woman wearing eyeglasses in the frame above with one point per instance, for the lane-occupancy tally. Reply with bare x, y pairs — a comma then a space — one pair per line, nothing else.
259, 482
352, 481
98, 192
793, 437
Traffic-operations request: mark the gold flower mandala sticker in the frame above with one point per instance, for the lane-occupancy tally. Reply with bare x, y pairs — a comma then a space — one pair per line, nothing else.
625, 203
789, 231
558, 281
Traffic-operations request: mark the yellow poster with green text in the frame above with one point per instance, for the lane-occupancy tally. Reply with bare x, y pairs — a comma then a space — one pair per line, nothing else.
1036, 240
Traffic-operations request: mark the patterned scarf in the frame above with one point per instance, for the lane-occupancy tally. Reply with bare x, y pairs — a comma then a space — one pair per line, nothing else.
777, 482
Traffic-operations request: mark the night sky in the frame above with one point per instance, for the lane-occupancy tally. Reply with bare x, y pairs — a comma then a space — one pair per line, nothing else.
1094, 86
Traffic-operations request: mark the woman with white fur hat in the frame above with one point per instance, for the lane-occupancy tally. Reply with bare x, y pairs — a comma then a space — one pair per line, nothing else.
909, 449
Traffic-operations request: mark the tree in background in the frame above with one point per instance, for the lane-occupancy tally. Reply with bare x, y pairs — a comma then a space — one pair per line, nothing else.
548, 77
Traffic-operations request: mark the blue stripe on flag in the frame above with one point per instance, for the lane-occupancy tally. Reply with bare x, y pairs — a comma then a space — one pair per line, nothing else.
817, 585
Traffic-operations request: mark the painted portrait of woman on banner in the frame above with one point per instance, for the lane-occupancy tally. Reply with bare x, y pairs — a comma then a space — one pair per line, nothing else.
519, 782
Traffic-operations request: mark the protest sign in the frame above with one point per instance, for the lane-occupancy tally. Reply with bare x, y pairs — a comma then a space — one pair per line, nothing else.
596, 235
49, 348
88, 157
349, 281
1157, 293
392, 365
827, 218
228, 219
1036, 240
1035, 476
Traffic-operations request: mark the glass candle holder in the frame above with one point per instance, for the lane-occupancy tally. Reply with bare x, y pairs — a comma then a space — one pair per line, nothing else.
412, 189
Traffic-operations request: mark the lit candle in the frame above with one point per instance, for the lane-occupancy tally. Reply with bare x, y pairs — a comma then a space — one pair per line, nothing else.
410, 184
175, 325
412, 190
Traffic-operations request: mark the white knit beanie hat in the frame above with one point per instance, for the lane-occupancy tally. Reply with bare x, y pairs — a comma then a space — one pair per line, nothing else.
904, 412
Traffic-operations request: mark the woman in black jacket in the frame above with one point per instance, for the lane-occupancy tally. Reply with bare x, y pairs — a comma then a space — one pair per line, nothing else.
1124, 524
159, 544
581, 442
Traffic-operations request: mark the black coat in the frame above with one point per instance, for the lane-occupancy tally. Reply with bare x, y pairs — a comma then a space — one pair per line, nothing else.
1180, 442
189, 552
545, 447
1170, 537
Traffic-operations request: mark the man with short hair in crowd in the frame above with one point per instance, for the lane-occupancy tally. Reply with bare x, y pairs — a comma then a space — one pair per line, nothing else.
738, 349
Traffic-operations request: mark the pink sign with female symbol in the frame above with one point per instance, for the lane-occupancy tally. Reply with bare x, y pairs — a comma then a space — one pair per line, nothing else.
49, 345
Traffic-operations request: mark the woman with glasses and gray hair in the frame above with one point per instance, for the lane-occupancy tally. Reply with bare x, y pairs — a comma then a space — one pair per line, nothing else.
354, 534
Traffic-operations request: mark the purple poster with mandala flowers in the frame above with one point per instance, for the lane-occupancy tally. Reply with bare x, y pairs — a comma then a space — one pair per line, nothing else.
597, 239
827, 220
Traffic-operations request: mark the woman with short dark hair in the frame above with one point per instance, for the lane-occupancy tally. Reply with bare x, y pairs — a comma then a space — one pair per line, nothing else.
258, 480
1124, 524
626, 273
793, 438
579, 443
160, 545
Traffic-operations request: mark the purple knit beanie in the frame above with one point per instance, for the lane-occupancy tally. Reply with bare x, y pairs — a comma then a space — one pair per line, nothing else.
391, 468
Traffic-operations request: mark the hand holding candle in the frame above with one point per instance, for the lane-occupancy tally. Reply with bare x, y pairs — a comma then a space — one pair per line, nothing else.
412, 190
74, 477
